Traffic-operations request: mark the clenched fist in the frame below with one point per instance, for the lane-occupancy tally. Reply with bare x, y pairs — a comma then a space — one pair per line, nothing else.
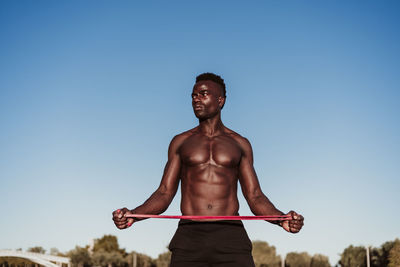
295, 224
120, 220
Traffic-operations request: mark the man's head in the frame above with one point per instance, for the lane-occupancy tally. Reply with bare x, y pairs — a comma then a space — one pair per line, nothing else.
208, 96
208, 76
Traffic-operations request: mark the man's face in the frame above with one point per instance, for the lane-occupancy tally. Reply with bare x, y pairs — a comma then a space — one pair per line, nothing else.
207, 99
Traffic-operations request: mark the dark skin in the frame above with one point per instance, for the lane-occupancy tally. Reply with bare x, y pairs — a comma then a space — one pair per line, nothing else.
209, 161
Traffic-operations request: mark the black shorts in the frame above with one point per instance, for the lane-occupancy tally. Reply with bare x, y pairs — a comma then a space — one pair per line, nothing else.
217, 243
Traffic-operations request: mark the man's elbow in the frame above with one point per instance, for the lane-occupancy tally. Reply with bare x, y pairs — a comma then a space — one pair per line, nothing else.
254, 195
166, 193
252, 200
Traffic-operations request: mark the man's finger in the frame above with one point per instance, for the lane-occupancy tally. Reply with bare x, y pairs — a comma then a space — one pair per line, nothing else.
130, 221
291, 213
117, 220
294, 215
295, 224
124, 226
121, 221
118, 213
121, 225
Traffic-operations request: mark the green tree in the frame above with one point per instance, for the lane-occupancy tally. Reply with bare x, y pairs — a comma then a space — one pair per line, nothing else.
264, 255
294, 259
14, 261
376, 258
379, 257
353, 257
394, 254
37, 250
106, 252
319, 260
163, 259
108, 243
385, 251
108, 259
80, 257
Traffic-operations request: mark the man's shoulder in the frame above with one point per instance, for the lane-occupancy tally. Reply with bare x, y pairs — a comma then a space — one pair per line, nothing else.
242, 141
180, 138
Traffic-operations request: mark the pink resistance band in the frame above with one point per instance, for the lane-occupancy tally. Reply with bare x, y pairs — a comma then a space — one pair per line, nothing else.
265, 218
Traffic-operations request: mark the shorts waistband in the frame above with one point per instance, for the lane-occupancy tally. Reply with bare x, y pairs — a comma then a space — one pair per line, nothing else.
218, 222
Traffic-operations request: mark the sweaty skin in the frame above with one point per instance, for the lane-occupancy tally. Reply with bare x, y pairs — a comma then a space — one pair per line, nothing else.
209, 161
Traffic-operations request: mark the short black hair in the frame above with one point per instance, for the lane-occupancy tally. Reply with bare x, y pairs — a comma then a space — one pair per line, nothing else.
208, 76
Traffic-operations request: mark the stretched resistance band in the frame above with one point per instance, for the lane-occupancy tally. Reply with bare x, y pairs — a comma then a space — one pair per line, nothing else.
190, 217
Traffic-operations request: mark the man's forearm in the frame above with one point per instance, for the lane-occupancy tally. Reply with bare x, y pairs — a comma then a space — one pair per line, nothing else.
157, 203
260, 205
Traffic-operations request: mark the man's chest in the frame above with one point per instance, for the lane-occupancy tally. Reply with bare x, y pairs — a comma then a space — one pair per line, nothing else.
222, 151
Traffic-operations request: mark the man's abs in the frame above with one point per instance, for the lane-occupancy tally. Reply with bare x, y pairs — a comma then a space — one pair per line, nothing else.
209, 190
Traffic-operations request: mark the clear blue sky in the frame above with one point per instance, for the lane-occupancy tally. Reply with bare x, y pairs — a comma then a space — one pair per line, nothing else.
91, 93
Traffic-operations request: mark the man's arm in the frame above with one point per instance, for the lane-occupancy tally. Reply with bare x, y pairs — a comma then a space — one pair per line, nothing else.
258, 202
159, 201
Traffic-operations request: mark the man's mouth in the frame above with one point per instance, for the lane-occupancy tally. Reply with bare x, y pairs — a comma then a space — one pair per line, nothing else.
197, 107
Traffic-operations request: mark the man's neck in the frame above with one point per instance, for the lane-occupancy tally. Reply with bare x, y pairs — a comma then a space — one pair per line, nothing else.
212, 126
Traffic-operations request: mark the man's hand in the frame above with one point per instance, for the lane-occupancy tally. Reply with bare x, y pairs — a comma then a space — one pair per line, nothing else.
295, 224
120, 220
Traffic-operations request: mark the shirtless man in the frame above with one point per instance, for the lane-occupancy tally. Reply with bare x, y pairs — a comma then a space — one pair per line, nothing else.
209, 161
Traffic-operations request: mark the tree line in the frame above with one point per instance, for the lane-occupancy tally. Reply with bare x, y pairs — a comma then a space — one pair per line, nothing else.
105, 252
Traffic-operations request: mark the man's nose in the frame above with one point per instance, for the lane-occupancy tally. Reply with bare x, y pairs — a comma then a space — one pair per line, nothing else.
195, 99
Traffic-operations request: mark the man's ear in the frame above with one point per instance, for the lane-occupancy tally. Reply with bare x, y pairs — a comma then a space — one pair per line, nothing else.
221, 101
